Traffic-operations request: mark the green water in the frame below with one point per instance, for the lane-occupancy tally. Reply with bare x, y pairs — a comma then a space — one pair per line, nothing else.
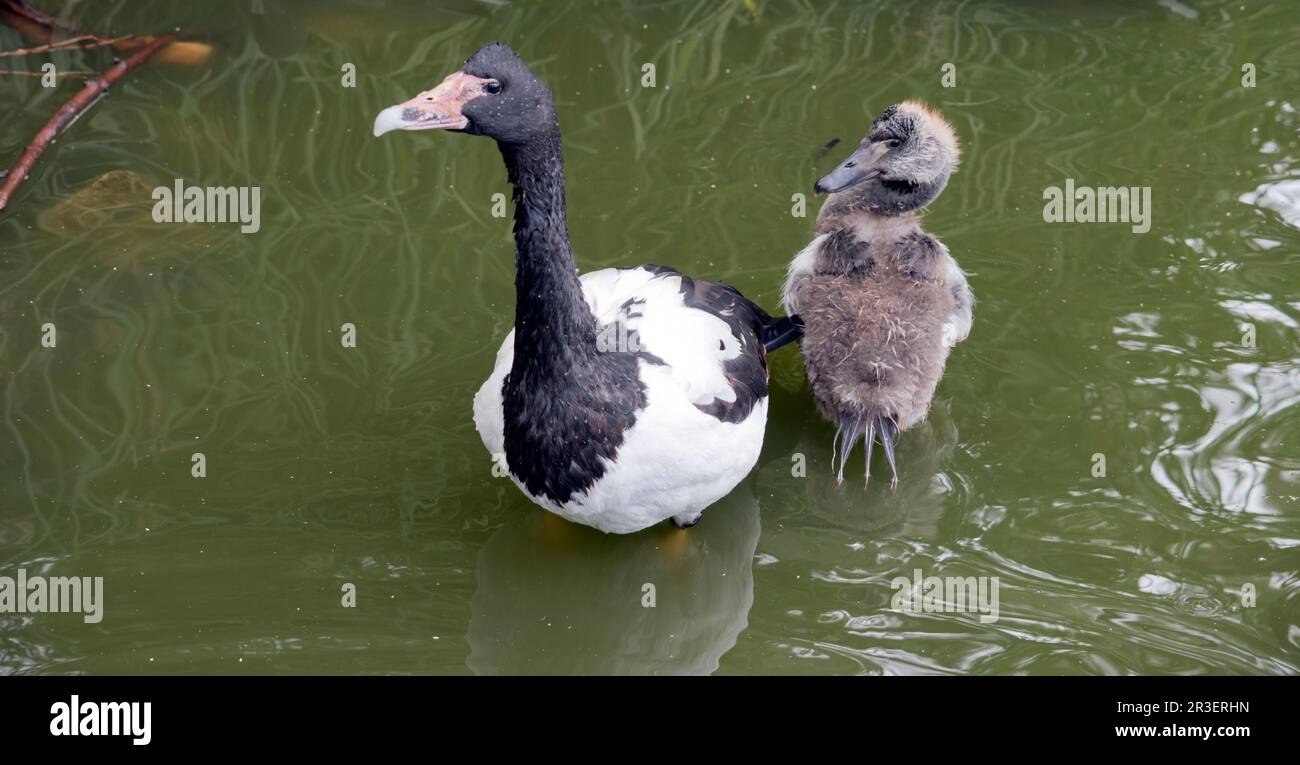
328, 465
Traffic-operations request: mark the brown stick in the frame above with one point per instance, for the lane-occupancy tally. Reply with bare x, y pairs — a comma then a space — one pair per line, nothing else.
32, 22
25, 73
20, 8
80, 42
89, 94
53, 34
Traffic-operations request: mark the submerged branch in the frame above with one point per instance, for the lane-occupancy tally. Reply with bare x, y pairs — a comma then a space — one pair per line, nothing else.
32, 23
25, 73
54, 35
88, 95
80, 42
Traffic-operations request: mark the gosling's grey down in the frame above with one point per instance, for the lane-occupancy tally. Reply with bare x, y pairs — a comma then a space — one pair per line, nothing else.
882, 301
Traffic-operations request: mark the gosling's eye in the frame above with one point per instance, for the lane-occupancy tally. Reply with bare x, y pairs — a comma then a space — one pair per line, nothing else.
492, 86
894, 143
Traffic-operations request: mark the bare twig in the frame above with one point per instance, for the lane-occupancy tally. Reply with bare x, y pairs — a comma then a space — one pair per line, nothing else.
24, 73
48, 30
32, 22
20, 8
79, 42
89, 94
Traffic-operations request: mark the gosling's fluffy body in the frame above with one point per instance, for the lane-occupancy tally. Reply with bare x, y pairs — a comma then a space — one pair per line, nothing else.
873, 326
882, 301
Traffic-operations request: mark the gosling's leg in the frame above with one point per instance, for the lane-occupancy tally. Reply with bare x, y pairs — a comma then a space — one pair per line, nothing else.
871, 442
852, 427
888, 438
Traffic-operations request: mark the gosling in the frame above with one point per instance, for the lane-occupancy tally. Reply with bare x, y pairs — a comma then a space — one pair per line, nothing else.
882, 301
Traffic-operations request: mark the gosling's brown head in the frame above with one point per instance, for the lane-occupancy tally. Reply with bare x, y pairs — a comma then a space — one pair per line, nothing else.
902, 164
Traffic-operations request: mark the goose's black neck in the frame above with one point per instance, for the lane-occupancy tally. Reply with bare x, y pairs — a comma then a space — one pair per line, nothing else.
566, 407
553, 325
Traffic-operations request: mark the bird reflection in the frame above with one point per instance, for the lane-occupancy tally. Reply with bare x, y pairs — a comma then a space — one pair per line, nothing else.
556, 598
914, 508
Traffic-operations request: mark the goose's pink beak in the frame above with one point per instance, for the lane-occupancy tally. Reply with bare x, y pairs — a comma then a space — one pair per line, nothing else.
437, 108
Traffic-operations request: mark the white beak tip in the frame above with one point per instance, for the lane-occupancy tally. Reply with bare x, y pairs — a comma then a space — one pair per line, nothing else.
388, 120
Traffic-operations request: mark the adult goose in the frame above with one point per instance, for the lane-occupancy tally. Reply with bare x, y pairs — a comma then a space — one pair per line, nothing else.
623, 397
882, 301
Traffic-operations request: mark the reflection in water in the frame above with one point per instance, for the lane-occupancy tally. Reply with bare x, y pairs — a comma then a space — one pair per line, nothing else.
1282, 197
553, 597
1238, 463
914, 507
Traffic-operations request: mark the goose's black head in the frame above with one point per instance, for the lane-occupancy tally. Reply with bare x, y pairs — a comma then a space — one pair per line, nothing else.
902, 164
493, 94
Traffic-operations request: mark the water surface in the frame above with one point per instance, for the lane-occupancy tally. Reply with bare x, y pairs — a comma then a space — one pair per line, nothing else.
329, 465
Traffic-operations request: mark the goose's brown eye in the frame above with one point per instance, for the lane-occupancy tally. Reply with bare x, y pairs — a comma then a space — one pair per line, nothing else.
492, 86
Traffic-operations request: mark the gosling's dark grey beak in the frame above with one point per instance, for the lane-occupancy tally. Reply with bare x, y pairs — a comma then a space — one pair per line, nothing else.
859, 167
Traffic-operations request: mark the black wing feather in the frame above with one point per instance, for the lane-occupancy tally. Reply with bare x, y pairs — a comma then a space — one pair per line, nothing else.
750, 325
